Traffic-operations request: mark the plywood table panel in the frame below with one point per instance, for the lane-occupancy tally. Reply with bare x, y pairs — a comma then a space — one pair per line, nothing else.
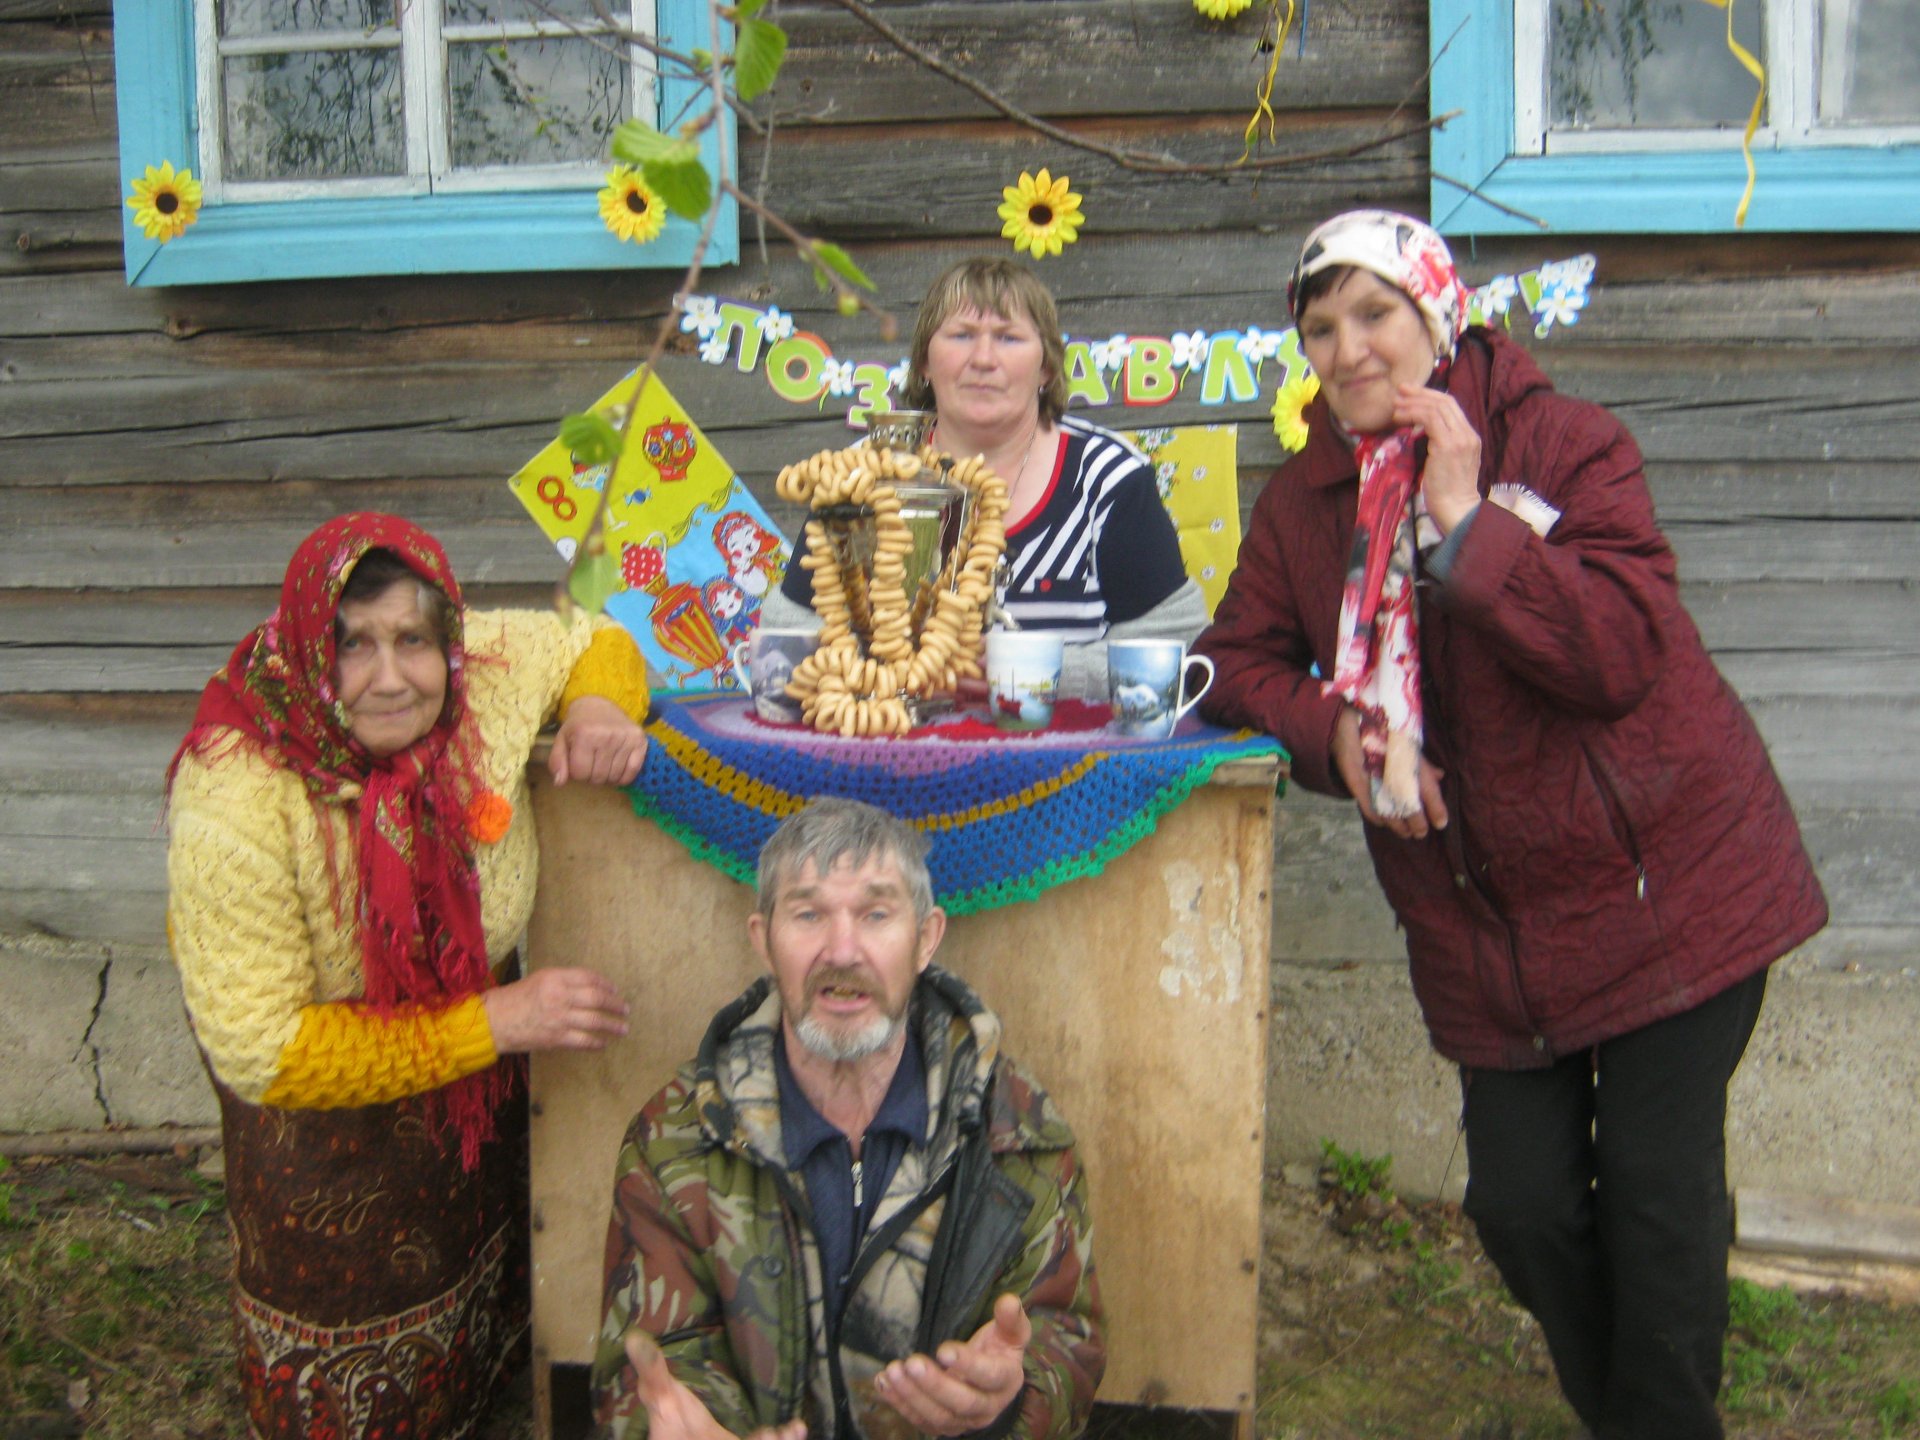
1138, 996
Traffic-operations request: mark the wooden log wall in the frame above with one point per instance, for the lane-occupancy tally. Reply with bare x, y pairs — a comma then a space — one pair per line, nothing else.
161, 451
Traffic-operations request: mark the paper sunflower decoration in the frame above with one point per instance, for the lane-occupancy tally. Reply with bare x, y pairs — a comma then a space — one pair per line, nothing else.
1289, 421
1221, 9
165, 201
1041, 214
630, 208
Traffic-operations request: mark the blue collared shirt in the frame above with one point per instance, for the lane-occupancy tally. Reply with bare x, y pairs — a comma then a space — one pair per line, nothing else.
843, 1193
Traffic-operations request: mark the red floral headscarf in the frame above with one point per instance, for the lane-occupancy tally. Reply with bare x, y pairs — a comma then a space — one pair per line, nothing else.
418, 900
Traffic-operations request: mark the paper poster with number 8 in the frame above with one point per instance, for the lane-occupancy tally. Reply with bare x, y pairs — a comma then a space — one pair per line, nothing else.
696, 551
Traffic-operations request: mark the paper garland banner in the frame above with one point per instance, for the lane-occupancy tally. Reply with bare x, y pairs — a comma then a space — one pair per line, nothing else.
695, 551
1227, 367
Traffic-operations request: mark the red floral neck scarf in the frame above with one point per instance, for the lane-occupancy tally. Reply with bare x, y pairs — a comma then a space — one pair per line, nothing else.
1377, 652
418, 900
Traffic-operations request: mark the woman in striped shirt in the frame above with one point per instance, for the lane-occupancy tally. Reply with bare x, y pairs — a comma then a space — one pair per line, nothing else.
1092, 550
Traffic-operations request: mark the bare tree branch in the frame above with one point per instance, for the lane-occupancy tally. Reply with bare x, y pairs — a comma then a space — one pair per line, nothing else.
1143, 161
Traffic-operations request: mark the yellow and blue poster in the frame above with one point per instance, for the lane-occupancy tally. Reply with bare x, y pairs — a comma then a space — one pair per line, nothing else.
696, 552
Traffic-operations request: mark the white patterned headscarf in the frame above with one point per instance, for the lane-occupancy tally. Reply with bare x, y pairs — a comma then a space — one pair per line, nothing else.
1376, 665
1402, 251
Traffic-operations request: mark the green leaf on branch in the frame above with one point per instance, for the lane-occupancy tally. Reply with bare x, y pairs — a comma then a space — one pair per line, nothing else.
637, 143
591, 439
747, 9
594, 581
757, 54
702, 61
829, 256
682, 183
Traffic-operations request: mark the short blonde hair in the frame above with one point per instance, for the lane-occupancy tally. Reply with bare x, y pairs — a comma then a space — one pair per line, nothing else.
993, 286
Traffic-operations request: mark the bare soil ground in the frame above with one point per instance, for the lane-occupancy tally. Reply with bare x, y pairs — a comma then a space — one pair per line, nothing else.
1378, 1319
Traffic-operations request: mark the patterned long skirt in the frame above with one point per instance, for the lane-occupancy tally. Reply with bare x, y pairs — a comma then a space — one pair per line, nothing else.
381, 1288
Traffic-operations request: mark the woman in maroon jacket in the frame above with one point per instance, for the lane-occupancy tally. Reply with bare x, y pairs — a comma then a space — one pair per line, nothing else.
1455, 607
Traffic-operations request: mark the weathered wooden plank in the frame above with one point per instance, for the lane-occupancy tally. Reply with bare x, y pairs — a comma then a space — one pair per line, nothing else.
1826, 1225
118, 744
1769, 616
1092, 59
947, 180
56, 84
107, 916
1701, 403
1327, 904
175, 617
95, 10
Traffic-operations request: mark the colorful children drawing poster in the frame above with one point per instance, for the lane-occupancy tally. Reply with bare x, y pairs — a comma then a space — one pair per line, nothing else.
696, 551
1198, 470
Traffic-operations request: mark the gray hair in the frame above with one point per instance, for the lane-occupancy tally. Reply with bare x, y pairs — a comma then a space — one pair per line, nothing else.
829, 830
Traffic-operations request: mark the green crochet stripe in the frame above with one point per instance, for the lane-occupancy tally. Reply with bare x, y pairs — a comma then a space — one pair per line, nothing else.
1117, 842
745, 871
1029, 886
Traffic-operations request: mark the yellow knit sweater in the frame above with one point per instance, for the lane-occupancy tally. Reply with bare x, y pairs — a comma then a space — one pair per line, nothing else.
271, 971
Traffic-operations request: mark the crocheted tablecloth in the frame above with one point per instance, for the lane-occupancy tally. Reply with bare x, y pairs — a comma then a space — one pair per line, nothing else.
1010, 816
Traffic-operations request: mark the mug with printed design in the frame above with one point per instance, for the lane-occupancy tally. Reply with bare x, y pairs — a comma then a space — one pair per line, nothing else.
1147, 685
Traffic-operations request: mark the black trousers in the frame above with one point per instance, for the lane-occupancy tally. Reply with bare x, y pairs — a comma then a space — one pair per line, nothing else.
1599, 1188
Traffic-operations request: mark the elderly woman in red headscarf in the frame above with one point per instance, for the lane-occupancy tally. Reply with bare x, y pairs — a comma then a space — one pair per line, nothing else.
1455, 608
350, 868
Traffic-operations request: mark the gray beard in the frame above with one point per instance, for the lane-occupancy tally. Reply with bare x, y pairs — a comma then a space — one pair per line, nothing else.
840, 1046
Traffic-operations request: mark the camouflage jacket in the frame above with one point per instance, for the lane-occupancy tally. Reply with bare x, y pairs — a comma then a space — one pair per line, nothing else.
711, 1251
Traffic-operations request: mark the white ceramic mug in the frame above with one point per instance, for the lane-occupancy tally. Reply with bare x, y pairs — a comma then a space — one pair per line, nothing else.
1023, 677
1147, 685
763, 663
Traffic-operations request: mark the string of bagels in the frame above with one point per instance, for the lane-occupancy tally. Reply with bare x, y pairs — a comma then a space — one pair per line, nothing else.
868, 665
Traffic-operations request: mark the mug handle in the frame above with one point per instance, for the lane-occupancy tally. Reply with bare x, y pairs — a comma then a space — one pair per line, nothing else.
735, 654
1205, 685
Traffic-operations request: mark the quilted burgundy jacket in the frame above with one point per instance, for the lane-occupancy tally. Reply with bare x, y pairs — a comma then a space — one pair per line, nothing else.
1619, 849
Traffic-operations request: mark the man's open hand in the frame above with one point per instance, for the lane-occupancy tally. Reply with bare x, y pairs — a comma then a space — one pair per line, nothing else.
964, 1387
674, 1412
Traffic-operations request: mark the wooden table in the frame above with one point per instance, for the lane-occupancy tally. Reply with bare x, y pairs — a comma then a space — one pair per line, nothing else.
1138, 996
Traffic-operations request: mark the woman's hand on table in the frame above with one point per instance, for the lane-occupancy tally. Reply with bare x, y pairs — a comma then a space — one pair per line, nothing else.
598, 744
1350, 764
558, 1009
1451, 480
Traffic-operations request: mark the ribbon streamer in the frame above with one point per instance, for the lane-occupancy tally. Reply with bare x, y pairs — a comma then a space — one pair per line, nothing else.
1759, 73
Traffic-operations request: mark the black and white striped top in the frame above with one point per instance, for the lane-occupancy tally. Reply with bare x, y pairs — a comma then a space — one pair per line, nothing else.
1099, 549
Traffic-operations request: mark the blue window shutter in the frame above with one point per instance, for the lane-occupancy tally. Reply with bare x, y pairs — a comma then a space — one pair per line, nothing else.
387, 235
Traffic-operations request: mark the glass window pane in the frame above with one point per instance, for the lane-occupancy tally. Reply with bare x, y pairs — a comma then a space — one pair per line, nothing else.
314, 114
1870, 62
534, 102
479, 12
1649, 64
302, 17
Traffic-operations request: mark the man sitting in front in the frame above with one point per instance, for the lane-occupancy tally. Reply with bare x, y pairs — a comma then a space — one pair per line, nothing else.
850, 1215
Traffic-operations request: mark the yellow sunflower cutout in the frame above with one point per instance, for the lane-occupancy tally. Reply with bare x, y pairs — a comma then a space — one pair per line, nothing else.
1221, 9
1289, 421
630, 208
164, 201
1041, 214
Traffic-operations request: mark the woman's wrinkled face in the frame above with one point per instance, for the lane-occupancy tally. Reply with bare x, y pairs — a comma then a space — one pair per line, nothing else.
986, 371
1365, 339
389, 670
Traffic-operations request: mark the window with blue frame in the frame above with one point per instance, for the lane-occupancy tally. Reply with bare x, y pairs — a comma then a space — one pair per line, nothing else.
383, 137
1629, 116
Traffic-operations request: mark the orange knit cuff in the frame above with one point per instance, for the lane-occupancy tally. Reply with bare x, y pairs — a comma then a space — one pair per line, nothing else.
611, 668
345, 1054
